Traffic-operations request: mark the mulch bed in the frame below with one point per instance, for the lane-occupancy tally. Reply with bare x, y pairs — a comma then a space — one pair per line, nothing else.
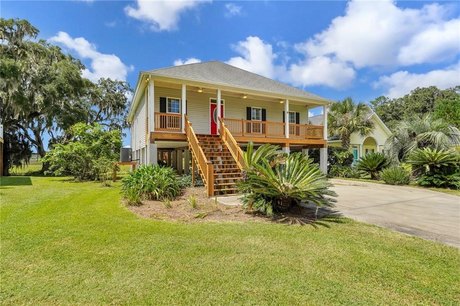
206, 209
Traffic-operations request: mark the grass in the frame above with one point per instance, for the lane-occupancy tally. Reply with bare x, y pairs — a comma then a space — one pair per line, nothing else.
74, 243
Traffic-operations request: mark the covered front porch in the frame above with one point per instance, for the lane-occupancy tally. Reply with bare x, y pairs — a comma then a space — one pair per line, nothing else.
169, 127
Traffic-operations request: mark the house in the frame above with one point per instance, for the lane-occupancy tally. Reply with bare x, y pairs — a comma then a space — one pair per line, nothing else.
361, 145
201, 116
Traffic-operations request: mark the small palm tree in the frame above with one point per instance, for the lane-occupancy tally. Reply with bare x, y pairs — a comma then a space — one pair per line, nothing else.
275, 181
372, 163
346, 118
421, 132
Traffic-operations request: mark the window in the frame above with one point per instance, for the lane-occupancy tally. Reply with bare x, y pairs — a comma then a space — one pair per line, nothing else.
292, 117
215, 101
256, 113
173, 105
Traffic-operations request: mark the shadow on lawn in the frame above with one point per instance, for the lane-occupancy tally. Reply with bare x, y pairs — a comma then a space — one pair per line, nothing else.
310, 215
8, 181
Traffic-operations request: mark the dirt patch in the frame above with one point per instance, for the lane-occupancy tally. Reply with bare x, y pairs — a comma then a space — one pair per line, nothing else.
194, 206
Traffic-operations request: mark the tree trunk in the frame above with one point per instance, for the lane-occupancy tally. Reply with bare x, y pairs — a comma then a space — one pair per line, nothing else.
38, 142
345, 141
283, 204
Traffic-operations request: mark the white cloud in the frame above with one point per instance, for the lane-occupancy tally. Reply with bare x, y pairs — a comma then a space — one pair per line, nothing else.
161, 15
102, 65
191, 60
402, 82
322, 70
437, 43
378, 33
256, 56
232, 10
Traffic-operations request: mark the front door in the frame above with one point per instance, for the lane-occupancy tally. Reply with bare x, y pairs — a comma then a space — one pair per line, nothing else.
213, 115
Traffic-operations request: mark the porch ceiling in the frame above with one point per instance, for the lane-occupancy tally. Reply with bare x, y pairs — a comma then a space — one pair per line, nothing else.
227, 93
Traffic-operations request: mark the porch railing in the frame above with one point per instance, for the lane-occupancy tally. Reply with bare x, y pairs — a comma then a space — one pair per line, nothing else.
305, 131
205, 166
168, 122
250, 128
231, 144
271, 129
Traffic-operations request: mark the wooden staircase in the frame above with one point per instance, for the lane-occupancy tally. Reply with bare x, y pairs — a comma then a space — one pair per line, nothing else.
226, 171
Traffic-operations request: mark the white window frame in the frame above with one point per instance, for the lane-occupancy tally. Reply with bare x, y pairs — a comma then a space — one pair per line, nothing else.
252, 113
168, 99
214, 101
294, 118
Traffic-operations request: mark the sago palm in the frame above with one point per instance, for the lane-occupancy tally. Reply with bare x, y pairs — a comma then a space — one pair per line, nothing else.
295, 179
372, 164
421, 132
346, 118
431, 160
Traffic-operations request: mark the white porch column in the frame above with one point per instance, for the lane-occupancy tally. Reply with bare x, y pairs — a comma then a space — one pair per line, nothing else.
323, 160
219, 109
287, 149
325, 112
152, 154
323, 151
151, 149
286, 118
151, 104
184, 106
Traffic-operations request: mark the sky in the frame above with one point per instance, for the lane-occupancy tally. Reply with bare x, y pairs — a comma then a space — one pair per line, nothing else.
335, 49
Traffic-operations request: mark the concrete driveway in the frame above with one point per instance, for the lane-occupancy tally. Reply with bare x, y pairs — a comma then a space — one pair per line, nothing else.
419, 212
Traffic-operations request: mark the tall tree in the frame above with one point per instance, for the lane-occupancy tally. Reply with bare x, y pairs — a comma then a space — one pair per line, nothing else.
419, 101
346, 118
421, 132
42, 91
449, 110
39, 83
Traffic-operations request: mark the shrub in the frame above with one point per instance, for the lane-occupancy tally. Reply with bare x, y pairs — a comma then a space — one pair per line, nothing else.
273, 184
395, 176
90, 154
372, 164
436, 167
185, 181
151, 182
192, 201
335, 156
344, 171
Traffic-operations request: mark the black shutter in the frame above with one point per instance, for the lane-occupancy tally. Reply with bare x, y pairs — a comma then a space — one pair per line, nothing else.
284, 117
248, 117
162, 105
297, 118
264, 118
186, 107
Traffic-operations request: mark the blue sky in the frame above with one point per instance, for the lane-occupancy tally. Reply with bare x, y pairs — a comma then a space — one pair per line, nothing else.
335, 49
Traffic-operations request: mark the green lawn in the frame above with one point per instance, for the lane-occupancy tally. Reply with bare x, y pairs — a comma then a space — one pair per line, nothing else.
74, 243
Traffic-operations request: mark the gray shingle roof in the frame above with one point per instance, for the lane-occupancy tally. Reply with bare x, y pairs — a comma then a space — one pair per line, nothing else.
219, 73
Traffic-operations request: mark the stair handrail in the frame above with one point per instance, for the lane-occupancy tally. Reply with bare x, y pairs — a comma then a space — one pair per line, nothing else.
206, 166
231, 144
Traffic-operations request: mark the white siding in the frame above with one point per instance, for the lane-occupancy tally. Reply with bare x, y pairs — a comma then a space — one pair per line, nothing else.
138, 128
235, 108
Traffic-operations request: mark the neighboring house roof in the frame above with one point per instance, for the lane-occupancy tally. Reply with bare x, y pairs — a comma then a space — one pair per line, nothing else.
219, 73
318, 120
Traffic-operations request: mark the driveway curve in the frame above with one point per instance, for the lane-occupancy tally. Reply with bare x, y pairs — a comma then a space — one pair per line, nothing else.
415, 211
